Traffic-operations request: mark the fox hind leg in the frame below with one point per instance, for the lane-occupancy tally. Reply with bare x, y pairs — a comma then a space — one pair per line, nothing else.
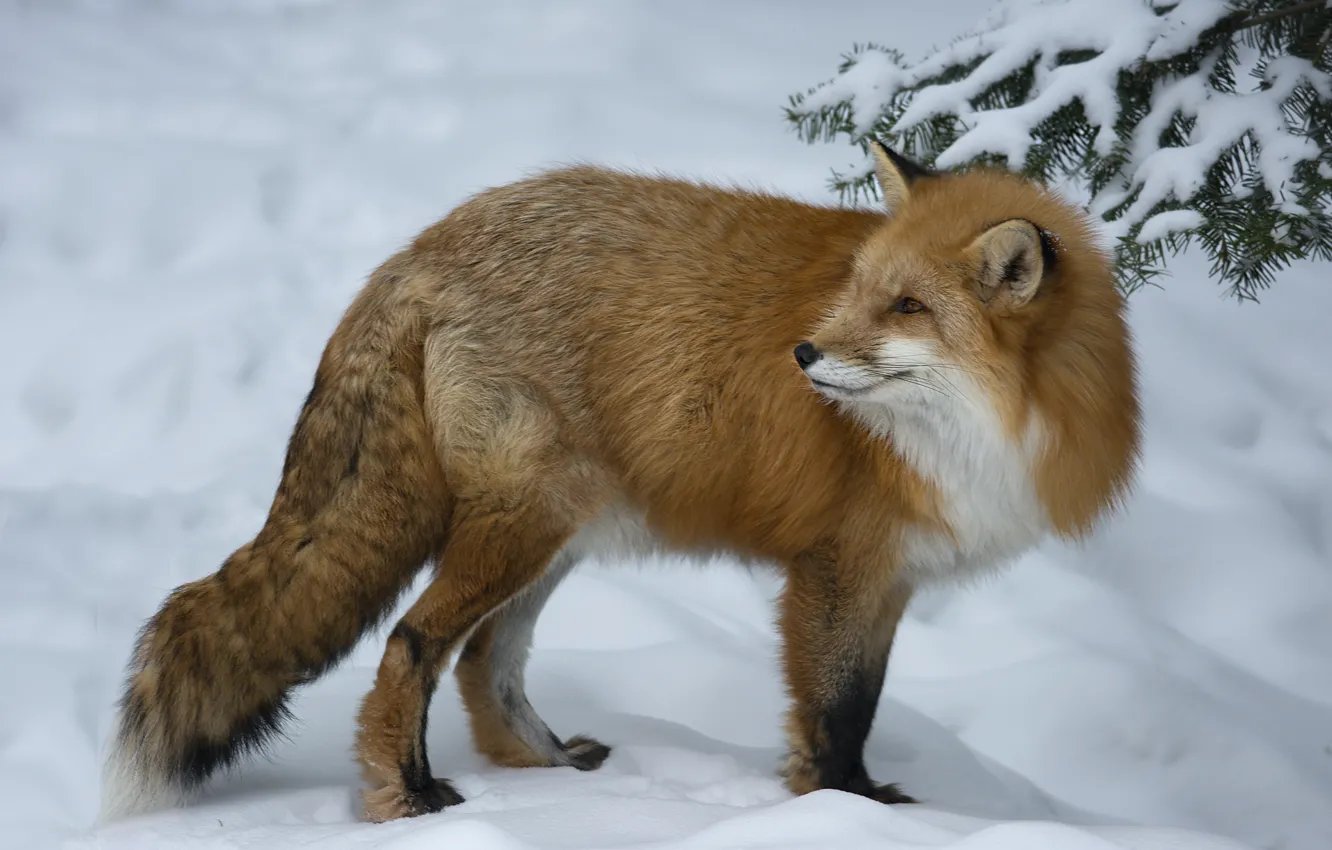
496, 549
490, 674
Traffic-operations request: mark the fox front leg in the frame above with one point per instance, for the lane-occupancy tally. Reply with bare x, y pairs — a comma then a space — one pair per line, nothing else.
837, 633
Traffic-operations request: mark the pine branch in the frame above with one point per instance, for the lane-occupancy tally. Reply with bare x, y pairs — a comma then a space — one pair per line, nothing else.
1289, 11
1211, 128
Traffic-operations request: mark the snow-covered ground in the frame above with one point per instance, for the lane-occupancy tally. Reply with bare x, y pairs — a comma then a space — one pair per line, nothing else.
190, 193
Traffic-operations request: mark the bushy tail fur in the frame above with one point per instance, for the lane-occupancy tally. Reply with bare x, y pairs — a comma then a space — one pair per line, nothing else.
360, 507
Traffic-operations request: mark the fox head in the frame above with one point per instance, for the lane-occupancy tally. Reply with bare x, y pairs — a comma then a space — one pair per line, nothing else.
970, 277
982, 307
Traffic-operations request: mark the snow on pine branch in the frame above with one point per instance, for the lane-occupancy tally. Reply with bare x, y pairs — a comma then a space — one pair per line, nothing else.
1221, 121
1199, 120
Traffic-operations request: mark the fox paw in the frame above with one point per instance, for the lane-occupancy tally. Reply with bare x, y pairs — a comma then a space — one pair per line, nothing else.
394, 801
586, 753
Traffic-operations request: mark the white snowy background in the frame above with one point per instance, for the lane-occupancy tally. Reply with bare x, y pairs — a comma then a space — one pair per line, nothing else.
190, 193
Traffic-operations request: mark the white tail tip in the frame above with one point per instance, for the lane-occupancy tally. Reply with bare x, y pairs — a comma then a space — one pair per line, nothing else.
129, 785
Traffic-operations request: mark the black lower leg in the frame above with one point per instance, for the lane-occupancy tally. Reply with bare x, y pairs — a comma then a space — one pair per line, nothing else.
424, 793
844, 725
839, 758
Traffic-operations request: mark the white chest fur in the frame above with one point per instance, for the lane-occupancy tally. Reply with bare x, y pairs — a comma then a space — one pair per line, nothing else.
984, 476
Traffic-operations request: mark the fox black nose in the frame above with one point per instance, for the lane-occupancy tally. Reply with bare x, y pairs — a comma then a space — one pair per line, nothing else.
807, 355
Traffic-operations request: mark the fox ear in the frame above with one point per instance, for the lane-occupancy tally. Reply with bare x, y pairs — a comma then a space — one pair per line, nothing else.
894, 174
1011, 260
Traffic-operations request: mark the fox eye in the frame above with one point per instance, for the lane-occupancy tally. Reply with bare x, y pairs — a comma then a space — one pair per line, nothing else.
908, 305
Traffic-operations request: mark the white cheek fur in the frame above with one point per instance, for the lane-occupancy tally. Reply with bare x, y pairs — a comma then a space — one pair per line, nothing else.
907, 353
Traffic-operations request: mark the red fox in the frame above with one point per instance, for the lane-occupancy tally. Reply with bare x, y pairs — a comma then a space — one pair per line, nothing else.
589, 361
